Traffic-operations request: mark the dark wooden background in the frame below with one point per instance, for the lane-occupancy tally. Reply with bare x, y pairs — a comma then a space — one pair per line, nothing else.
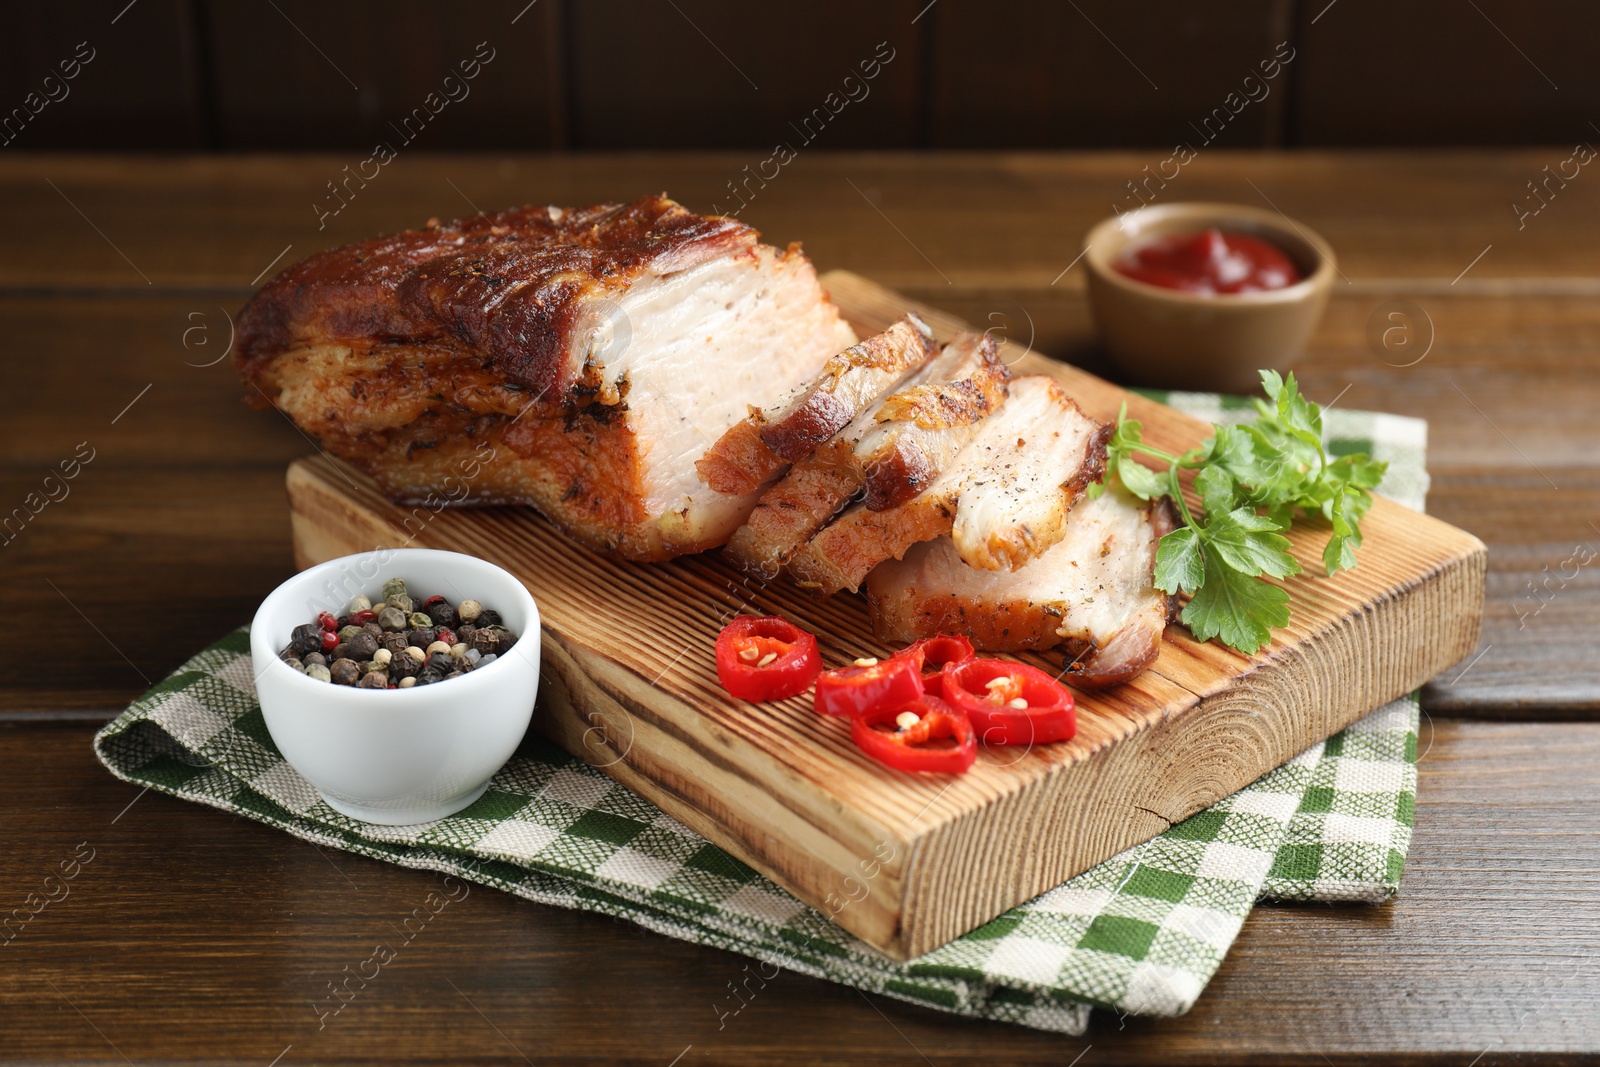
247, 75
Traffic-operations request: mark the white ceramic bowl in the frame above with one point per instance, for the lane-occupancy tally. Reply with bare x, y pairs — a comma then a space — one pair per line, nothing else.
398, 756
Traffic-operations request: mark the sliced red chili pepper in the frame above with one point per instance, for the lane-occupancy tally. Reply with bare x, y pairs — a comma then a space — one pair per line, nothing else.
882, 684
1010, 703
924, 735
765, 657
931, 654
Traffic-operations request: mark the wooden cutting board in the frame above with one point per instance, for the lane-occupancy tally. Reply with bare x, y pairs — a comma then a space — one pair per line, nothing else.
907, 863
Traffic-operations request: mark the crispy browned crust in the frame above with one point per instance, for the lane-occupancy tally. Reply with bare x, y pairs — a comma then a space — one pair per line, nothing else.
789, 513
505, 286
843, 553
740, 461
903, 467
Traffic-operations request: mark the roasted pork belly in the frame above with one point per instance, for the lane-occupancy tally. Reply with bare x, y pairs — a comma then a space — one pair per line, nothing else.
950, 395
1004, 497
758, 448
577, 360
1092, 591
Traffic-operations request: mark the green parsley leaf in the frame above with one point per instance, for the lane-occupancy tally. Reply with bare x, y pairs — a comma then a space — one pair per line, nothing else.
1235, 607
1179, 561
1250, 543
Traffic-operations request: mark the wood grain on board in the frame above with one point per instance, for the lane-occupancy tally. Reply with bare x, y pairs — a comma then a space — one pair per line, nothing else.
633, 690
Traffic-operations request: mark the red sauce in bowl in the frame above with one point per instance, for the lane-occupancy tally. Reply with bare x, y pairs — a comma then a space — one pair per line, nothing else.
1209, 264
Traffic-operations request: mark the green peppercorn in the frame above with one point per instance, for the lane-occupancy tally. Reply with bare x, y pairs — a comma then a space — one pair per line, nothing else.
358, 603
392, 619
320, 672
401, 601
344, 672
373, 680
394, 587
419, 619
347, 632
362, 646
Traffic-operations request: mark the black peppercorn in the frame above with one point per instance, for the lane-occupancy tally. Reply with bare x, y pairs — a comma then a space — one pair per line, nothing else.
440, 661
403, 666
421, 637
315, 658
345, 672
427, 676
373, 628
395, 643
489, 617
304, 638
374, 680
485, 641
362, 646
340, 651
442, 613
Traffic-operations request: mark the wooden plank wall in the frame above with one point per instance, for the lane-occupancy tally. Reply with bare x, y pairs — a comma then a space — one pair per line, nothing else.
247, 75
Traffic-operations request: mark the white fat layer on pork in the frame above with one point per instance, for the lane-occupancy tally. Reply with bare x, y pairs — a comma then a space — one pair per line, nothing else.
1012, 505
958, 360
697, 349
1097, 576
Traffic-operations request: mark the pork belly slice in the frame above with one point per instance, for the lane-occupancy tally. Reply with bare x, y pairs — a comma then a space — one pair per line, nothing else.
1092, 592
758, 448
920, 429
582, 359
1003, 500
959, 386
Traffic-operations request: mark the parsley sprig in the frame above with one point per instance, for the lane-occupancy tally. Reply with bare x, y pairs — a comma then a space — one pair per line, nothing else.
1253, 480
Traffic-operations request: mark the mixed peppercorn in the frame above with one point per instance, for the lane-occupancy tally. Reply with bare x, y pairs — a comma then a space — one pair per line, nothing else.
399, 642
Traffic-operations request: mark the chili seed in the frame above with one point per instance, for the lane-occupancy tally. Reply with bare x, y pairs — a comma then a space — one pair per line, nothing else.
749, 655
867, 661
996, 683
767, 659
906, 720
1019, 703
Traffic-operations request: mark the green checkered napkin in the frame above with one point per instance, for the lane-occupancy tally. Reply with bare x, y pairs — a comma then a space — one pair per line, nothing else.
1142, 932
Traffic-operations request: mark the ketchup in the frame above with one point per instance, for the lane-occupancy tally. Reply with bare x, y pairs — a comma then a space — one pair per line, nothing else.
1208, 263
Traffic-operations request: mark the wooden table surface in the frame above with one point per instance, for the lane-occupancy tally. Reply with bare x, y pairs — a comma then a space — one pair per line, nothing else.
200, 937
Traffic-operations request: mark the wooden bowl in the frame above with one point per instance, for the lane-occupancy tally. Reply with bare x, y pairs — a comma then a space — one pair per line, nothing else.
1163, 337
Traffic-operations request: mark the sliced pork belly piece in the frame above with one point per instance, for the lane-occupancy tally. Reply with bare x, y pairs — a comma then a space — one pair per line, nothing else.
920, 429
972, 381
758, 448
577, 360
1092, 591
1004, 497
